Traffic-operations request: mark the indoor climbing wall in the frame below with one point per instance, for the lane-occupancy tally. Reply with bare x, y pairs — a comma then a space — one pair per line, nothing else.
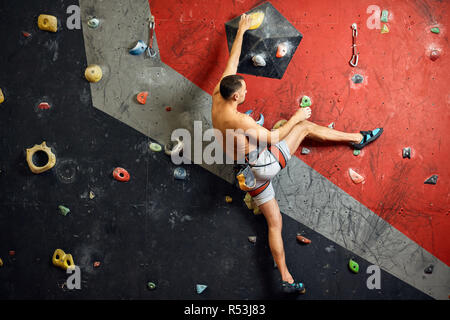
399, 83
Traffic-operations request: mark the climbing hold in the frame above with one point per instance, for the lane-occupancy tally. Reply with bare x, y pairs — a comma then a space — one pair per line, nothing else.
356, 178
357, 78
96, 264
12, 253
168, 108
50, 156
155, 147
434, 55
353, 265
257, 19
331, 125
179, 173
282, 49
26, 34
228, 199
93, 73
2, 97
120, 174
305, 151
93, 23
435, 30
384, 16
91, 195
151, 285
356, 152
1, 262
44, 106
261, 117
302, 239
305, 102
63, 210
252, 239
385, 29
62, 260
139, 48
279, 124
258, 61
406, 153
170, 149
432, 179
200, 288
142, 97
48, 23
429, 269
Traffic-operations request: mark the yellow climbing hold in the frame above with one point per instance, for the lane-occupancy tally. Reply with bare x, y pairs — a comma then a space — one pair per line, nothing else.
257, 19
50, 156
385, 29
93, 73
2, 97
228, 199
47, 22
251, 204
279, 124
62, 260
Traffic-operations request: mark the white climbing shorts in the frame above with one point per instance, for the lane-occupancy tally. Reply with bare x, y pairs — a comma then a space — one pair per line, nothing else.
270, 161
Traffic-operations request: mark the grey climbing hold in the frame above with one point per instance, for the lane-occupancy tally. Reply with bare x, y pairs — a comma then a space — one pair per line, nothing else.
258, 61
357, 78
432, 179
429, 269
305, 151
407, 152
200, 288
252, 239
93, 23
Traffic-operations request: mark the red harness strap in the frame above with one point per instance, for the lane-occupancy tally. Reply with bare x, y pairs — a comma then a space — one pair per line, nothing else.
260, 189
278, 155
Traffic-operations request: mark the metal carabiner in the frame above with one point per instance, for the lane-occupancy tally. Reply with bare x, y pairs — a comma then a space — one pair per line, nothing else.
354, 60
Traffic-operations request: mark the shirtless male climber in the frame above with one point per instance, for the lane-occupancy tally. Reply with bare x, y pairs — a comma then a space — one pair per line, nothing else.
280, 144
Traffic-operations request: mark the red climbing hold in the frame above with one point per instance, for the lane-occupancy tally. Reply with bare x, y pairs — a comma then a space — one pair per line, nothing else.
26, 34
168, 108
142, 97
44, 106
434, 55
120, 174
303, 239
282, 50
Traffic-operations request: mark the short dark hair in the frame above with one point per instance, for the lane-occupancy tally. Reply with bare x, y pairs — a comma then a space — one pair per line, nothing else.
230, 84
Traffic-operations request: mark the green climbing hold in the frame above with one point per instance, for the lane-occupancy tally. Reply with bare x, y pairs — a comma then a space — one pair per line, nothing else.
356, 152
435, 30
151, 285
63, 210
353, 265
306, 102
384, 16
155, 147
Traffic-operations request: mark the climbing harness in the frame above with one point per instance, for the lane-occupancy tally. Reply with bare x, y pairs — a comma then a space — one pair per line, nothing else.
354, 61
150, 51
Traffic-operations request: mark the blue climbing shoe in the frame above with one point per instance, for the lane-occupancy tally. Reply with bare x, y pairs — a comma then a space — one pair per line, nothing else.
295, 287
368, 137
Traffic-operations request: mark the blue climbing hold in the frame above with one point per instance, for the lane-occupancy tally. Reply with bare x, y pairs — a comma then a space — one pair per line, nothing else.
179, 173
261, 117
139, 48
200, 288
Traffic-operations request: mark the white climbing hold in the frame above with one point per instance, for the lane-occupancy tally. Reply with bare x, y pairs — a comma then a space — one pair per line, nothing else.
356, 177
258, 61
200, 288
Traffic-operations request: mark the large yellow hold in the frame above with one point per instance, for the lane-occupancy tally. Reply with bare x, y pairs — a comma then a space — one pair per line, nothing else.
47, 22
62, 259
93, 73
50, 155
257, 20
2, 97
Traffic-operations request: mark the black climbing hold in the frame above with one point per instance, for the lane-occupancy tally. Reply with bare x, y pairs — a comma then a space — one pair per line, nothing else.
429, 269
432, 179
407, 153
357, 78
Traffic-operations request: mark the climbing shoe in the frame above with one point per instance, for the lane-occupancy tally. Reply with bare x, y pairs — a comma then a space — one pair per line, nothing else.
368, 137
295, 287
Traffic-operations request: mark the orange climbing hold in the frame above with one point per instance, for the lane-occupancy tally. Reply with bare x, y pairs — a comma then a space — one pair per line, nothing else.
356, 177
282, 50
302, 239
142, 97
